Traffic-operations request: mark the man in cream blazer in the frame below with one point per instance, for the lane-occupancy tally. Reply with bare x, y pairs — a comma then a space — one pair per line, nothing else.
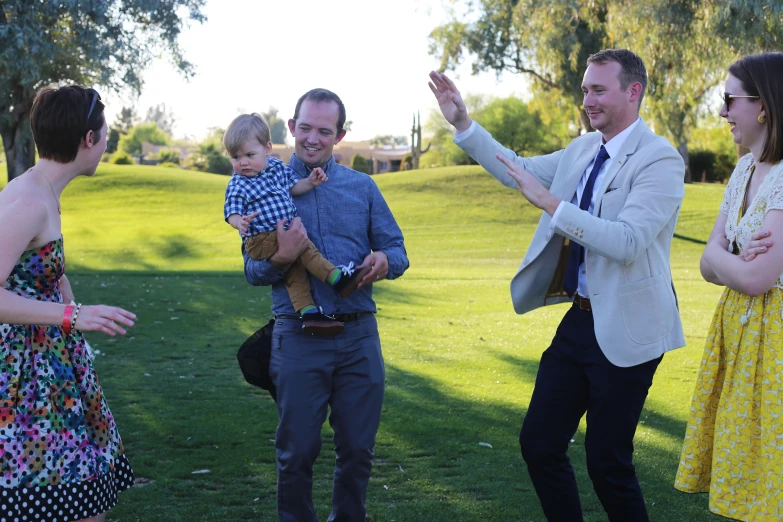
608, 253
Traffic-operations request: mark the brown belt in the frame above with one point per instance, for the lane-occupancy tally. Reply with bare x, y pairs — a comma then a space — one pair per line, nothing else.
583, 303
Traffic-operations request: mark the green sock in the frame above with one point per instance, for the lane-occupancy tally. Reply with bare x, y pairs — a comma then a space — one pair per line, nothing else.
308, 309
334, 277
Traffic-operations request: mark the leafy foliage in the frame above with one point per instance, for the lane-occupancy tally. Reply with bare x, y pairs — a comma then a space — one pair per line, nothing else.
126, 120
361, 164
121, 158
715, 150
686, 44
105, 43
278, 128
162, 116
549, 43
149, 132
211, 156
528, 129
388, 140
169, 156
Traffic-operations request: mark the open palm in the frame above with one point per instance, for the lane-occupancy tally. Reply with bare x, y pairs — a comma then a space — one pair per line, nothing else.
449, 100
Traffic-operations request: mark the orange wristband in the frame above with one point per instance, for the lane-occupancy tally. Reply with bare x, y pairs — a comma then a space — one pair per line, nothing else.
68, 319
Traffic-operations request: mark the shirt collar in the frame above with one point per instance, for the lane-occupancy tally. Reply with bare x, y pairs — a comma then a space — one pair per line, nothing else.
614, 145
299, 166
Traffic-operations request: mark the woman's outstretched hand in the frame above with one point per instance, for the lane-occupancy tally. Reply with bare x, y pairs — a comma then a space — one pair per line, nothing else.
106, 319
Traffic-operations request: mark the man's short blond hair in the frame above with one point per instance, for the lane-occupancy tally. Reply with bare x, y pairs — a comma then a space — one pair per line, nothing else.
243, 128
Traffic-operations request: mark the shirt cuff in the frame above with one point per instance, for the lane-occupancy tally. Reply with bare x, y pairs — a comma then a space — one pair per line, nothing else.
553, 221
460, 136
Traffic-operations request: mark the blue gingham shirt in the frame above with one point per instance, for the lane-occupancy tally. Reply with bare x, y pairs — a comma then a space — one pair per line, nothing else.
347, 219
267, 193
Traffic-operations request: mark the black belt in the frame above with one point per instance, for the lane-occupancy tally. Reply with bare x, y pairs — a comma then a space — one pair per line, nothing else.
343, 318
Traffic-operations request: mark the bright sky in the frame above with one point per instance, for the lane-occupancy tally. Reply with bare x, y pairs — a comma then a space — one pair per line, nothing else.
251, 55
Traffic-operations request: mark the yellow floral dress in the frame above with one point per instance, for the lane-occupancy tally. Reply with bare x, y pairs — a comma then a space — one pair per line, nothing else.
733, 445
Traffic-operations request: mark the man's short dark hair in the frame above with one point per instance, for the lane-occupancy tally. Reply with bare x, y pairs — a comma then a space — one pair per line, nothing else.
632, 67
60, 118
762, 75
323, 95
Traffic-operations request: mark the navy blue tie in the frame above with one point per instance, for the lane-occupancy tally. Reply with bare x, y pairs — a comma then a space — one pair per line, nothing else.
576, 255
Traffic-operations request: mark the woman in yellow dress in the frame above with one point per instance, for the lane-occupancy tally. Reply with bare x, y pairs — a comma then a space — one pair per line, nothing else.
734, 438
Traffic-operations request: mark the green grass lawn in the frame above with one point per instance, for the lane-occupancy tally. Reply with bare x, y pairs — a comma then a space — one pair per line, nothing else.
460, 363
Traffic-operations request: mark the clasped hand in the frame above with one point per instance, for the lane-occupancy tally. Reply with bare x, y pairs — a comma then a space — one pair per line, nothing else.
758, 244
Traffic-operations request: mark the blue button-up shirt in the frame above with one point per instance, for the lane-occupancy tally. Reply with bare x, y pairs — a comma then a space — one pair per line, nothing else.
267, 193
347, 219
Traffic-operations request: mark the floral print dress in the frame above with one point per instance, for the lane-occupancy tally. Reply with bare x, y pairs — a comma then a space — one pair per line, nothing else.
734, 438
61, 457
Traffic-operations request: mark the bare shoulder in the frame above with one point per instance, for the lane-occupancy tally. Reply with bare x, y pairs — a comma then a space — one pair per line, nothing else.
23, 208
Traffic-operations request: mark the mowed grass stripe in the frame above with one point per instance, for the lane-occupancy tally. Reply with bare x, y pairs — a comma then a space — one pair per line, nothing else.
460, 363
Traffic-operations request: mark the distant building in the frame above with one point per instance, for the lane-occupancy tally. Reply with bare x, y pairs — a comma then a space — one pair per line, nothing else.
384, 159
150, 149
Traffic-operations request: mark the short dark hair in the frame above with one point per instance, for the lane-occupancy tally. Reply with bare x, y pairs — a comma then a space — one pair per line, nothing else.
631, 66
323, 95
59, 120
762, 75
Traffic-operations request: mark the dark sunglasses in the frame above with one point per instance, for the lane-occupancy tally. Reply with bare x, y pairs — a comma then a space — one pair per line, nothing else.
95, 98
728, 97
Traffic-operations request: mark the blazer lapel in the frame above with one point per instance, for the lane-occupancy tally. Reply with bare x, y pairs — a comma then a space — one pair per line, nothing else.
618, 162
577, 169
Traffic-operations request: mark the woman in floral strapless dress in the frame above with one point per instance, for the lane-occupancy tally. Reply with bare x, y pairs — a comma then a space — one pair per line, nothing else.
61, 456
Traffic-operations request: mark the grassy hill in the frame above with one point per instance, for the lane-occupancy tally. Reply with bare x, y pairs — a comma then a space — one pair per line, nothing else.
460, 364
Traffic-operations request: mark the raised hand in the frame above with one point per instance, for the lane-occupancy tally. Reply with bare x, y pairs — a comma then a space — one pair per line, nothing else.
317, 176
449, 101
102, 318
530, 187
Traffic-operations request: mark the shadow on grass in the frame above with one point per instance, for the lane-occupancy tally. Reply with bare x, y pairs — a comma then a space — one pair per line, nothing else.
690, 239
182, 407
177, 247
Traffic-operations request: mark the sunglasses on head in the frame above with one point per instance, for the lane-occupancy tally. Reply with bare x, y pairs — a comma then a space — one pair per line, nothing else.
95, 98
728, 97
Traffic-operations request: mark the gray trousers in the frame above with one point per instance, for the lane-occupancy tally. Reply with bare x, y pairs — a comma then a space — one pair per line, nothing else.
311, 373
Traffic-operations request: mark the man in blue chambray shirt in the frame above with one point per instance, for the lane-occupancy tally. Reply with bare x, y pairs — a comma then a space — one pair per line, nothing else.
348, 219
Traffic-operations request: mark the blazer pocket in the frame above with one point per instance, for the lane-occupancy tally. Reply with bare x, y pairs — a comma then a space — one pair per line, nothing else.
646, 306
611, 205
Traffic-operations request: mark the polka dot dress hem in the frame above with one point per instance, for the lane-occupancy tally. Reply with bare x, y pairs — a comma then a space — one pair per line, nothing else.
66, 502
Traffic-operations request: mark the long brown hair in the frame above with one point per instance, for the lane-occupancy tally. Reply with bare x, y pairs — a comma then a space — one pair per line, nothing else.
762, 75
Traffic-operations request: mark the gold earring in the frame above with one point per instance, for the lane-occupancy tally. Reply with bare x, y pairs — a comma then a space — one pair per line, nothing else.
762, 118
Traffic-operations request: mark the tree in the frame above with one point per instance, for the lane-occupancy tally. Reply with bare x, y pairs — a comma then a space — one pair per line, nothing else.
526, 128
145, 132
444, 152
211, 156
689, 45
126, 120
361, 164
549, 44
162, 117
104, 43
278, 128
686, 44
388, 140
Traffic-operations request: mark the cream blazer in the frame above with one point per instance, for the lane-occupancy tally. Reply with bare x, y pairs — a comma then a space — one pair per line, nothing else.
628, 238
